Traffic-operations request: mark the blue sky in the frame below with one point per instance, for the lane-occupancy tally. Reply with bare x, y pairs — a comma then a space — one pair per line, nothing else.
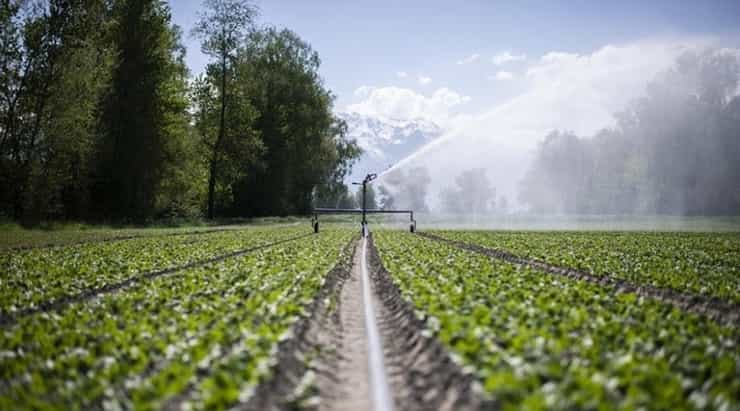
368, 42
495, 76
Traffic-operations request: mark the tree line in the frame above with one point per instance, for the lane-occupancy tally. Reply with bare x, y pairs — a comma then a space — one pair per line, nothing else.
673, 151
100, 118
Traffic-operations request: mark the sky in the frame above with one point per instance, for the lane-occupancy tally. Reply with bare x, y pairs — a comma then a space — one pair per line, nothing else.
495, 75
370, 42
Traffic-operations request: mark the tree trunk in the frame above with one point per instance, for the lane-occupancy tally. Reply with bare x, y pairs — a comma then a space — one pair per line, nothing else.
219, 139
211, 187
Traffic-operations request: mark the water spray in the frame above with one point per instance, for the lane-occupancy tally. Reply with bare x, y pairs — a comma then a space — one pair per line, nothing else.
363, 211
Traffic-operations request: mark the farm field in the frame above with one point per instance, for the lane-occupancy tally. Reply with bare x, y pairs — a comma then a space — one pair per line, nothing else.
699, 263
271, 316
538, 341
196, 335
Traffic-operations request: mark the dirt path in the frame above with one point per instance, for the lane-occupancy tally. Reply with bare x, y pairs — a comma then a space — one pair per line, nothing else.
364, 349
353, 369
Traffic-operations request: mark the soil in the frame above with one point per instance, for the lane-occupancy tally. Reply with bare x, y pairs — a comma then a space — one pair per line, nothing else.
324, 365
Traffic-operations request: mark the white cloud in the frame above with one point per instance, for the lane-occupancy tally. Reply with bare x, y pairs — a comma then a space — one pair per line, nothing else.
362, 91
468, 60
423, 80
503, 76
566, 91
506, 57
405, 104
401, 74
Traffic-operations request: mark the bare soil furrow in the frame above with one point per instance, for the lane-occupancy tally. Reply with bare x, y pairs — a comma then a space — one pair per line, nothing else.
422, 373
325, 365
308, 359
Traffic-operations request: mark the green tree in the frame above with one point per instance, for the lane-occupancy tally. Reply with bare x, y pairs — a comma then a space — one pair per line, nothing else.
472, 194
306, 148
647, 165
223, 28
228, 154
370, 202
144, 119
52, 69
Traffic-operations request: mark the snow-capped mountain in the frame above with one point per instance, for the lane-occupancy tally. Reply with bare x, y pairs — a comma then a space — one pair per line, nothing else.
385, 141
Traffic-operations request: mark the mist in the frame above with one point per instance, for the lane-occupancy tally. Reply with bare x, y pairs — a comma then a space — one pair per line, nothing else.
645, 129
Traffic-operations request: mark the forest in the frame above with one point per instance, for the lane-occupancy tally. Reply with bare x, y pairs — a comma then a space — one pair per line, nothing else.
673, 151
101, 120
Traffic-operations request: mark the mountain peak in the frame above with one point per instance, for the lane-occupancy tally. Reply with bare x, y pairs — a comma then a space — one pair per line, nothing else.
386, 140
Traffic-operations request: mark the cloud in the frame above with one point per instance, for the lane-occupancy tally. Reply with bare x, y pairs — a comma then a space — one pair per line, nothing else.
565, 91
503, 76
362, 91
468, 60
401, 74
405, 104
506, 57
423, 80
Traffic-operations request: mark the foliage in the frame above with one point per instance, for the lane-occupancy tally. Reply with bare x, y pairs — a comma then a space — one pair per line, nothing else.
472, 194
405, 189
335, 196
144, 119
45, 275
100, 121
697, 263
54, 68
205, 335
370, 201
673, 151
305, 144
223, 29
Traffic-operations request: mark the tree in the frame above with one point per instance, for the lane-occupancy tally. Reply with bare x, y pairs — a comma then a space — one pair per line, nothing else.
472, 194
53, 66
223, 28
144, 118
339, 197
305, 146
406, 189
370, 202
647, 165
61, 185
386, 200
239, 144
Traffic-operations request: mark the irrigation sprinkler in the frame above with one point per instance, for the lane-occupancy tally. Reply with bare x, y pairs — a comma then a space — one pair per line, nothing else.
364, 210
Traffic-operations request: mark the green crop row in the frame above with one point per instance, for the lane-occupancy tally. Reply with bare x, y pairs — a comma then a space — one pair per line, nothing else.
43, 275
699, 263
538, 341
201, 336
14, 237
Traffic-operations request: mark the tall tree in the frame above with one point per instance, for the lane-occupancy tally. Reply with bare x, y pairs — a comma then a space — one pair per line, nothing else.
370, 201
648, 165
223, 28
406, 188
144, 111
230, 153
51, 72
472, 194
306, 146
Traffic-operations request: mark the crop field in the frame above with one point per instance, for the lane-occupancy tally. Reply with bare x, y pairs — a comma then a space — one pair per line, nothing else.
271, 317
542, 342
